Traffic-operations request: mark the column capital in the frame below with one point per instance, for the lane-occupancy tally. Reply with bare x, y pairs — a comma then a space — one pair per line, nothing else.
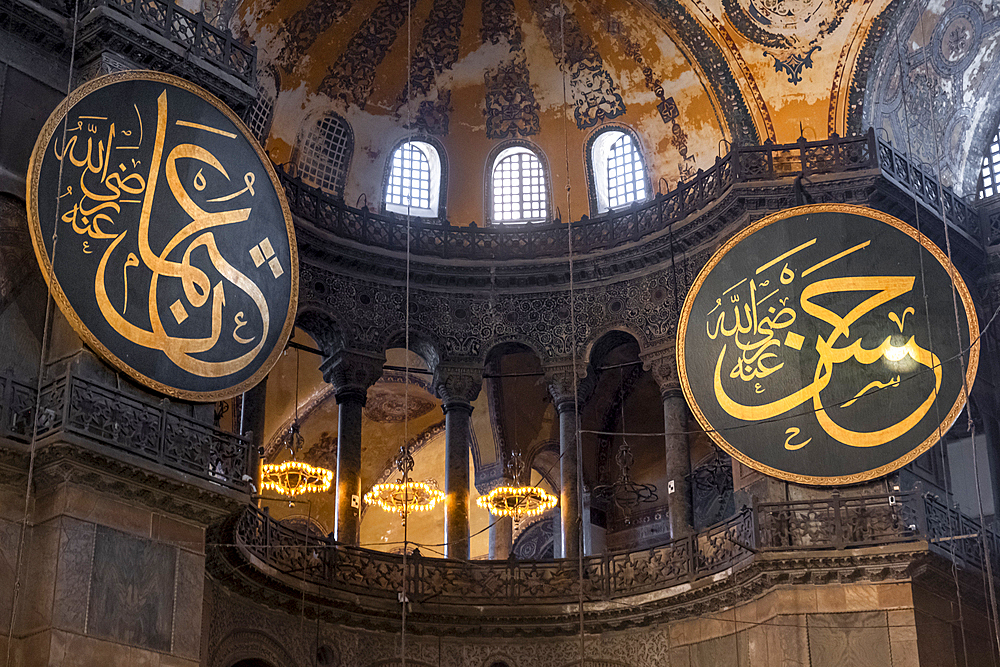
569, 384
352, 372
457, 385
663, 366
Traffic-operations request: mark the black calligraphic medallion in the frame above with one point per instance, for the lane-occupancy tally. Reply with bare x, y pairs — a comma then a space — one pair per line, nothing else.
164, 234
820, 345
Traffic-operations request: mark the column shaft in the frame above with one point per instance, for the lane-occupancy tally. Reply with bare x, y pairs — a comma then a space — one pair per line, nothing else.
501, 537
347, 521
678, 460
457, 422
569, 495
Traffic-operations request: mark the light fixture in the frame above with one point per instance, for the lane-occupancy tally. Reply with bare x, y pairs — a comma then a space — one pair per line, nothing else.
293, 478
517, 502
404, 495
625, 493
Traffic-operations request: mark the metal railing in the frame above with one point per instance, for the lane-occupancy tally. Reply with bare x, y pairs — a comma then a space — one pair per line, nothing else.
832, 523
190, 31
107, 416
740, 165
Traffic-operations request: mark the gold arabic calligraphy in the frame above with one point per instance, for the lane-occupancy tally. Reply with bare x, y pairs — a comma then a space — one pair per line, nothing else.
99, 195
761, 330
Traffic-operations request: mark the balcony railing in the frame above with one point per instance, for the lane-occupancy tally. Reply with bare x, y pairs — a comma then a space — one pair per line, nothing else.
188, 30
833, 523
741, 165
76, 406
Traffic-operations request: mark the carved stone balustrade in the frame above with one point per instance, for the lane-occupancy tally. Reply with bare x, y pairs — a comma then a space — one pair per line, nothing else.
869, 537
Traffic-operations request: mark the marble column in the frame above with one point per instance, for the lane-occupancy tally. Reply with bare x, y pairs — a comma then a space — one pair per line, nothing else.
457, 387
568, 392
350, 373
501, 537
676, 447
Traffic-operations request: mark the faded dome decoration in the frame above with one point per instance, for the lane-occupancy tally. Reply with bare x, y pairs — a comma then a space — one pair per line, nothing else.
925, 92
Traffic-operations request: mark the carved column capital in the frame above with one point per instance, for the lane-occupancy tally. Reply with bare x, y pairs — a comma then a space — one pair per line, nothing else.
663, 366
352, 372
457, 385
569, 385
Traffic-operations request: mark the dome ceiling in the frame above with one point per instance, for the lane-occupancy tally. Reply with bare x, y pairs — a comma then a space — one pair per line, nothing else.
684, 74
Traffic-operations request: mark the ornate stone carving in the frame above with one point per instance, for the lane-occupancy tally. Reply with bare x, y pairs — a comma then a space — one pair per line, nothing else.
569, 384
322, 329
663, 366
457, 384
352, 372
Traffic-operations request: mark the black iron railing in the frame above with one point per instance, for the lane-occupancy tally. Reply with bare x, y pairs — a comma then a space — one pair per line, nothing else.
740, 165
107, 416
190, 31
832, 523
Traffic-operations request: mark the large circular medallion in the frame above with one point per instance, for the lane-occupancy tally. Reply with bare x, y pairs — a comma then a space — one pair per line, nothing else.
164, 234
820, 345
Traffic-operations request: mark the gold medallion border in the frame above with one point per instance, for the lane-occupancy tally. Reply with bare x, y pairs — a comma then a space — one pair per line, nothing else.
34, 171
843, 479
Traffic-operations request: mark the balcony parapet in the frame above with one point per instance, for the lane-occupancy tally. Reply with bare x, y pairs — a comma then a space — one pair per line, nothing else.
86, 412
742, 165
885, 532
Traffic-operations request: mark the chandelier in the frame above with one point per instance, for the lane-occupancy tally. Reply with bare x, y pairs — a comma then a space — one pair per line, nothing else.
293, 478
518, 502
405, 495
625, 493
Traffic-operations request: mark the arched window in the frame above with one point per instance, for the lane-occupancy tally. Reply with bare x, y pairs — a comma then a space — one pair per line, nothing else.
519, 192
989, 183
325, 149
260, 113
413, 185
617, 171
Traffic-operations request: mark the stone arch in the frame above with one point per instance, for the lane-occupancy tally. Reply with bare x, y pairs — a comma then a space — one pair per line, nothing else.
322, 328
601, 333
250, 647
499, 660
422, 342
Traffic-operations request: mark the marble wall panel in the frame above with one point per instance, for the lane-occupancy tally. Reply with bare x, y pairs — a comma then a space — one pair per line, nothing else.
72, 584
132, 590
860, 639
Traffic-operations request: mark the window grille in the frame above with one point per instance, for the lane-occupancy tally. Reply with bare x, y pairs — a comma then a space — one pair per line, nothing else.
519, 190
409, 178
324, 154
989, 184
259, 117
626, 176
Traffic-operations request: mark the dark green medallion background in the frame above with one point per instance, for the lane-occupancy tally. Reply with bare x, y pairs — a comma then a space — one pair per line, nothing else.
894, 249
129, 100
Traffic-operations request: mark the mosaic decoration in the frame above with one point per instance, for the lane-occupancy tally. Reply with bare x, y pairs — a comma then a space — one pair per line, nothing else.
713, 63
432, 115
794, 64
352, 76
511, 109
305, 26
500, 23
594, 95
437, 50
785, 24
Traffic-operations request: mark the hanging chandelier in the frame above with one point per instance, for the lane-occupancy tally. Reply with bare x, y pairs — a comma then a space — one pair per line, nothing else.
625, 493
517, 502
404, 495
293, 478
